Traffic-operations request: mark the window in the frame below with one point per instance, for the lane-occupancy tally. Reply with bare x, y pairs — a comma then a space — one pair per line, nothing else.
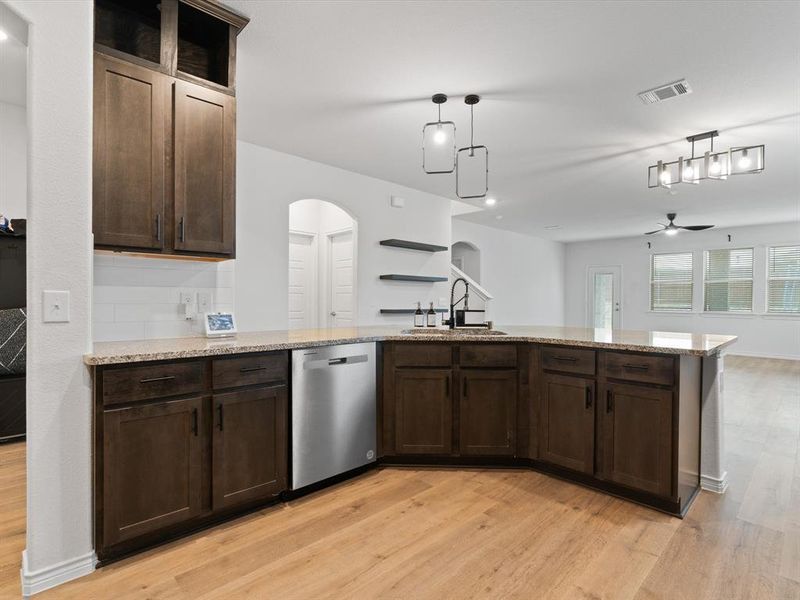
783, 279
671, 281
728, 285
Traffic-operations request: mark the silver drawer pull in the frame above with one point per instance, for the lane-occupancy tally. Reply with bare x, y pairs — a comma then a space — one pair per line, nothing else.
251, 369
636, 367
154, 379
565, 358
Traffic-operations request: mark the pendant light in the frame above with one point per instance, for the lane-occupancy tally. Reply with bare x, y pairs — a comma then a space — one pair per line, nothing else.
439, 142
738, 160
472, 162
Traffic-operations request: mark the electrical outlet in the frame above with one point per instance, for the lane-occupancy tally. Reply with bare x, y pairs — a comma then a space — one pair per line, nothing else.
189, 305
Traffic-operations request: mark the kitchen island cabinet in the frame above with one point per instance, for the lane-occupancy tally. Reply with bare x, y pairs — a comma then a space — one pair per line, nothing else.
189, 432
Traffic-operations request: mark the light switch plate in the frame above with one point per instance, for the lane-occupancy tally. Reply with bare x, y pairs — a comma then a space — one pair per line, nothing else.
55, 306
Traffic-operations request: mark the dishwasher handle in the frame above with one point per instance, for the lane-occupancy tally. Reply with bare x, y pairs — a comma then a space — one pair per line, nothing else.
332, 362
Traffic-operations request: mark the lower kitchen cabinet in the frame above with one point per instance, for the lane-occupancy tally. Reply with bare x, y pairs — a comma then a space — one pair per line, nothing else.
152, 467
566, 427
637, 437
488, 413
249, 445
423, 411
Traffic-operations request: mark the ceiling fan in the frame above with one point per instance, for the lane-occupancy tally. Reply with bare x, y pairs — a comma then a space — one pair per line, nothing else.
672, 229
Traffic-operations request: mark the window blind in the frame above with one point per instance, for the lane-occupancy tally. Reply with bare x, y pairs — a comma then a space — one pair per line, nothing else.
671, 281
783, 279
728, 282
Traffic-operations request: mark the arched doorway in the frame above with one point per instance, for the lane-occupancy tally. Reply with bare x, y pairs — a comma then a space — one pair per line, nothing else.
322, 265
467, 257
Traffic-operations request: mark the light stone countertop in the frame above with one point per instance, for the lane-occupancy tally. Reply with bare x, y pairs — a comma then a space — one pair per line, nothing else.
108, 353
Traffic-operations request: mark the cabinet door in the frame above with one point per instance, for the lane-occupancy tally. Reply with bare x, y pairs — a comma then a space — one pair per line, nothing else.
488, 415
205, 147
152, 465
250, 445
567, 422
423, 412
637, 437
128, 190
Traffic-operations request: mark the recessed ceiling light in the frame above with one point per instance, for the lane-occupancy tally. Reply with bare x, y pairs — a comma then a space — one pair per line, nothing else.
498, 217
3, 36
552, 226
490, 201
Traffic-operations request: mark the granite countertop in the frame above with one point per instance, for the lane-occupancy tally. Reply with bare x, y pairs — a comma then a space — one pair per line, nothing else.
107, 353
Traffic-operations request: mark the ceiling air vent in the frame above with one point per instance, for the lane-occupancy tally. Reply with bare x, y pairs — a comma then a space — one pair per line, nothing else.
665, 92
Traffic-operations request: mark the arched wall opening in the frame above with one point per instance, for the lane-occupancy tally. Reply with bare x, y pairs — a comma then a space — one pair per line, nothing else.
467, 257
323, 242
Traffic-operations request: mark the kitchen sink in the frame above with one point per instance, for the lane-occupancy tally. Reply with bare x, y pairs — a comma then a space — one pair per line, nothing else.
453, 332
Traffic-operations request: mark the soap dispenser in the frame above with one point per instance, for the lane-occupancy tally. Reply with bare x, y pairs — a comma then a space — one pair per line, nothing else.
431, 316
419, 318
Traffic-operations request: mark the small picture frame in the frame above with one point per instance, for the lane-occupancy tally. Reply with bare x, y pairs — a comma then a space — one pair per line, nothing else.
220, 324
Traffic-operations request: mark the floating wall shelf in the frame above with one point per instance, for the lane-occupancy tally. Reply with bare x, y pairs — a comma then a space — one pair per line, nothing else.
409, 245
408, 311
420, 278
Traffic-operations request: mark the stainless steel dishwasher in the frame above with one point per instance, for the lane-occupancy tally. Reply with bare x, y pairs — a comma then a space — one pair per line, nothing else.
333, 411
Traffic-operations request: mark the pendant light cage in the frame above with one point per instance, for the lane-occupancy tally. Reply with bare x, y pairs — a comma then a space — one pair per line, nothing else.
439, 142
472, 162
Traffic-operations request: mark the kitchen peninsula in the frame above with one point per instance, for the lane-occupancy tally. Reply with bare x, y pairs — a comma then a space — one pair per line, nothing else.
619, 411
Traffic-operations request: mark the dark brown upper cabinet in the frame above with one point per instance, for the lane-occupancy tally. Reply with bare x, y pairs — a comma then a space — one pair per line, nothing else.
205, 145
249, 445
130, 104
488, 412
637, 437
566, 427
165, 127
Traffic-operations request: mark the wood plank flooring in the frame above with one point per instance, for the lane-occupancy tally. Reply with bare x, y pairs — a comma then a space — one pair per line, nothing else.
461, 534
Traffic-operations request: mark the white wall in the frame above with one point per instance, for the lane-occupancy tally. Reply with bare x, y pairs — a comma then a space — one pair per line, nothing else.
59, 415
13, 161
137, 298
524, 274
268, 181
759, 334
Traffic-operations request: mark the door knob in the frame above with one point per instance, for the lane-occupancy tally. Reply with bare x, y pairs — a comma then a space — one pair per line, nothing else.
333, 313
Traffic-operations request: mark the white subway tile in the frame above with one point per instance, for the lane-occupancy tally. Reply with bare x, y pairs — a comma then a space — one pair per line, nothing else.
112, 332
168, 330
102, 313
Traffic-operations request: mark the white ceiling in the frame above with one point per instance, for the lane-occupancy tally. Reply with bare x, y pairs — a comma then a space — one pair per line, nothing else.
348, 83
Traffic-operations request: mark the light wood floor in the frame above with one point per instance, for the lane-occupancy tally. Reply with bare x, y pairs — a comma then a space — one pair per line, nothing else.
419, 534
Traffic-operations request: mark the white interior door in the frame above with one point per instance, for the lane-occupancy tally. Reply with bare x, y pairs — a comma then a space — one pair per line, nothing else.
604, 299
302, 280
341, 288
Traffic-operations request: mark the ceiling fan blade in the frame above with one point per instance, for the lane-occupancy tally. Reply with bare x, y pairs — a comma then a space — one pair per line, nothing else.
696, 227
652, 232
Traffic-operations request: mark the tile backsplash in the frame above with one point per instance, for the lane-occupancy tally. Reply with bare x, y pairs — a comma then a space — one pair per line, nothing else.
139, 298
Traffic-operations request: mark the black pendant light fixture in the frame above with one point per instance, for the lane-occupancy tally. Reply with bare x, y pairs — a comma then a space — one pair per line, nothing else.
472, 162
439, 142
737, 160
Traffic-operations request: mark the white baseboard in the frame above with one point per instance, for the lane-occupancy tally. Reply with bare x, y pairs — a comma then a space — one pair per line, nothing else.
34, 582
764, 355
712, 484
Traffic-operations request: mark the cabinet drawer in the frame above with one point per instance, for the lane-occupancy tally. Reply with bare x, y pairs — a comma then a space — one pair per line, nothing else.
638, 367
423, 355
569, 360
249, 370
488, 355
132, 384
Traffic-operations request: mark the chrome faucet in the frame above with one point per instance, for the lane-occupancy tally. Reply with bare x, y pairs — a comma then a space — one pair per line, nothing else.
465, 298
